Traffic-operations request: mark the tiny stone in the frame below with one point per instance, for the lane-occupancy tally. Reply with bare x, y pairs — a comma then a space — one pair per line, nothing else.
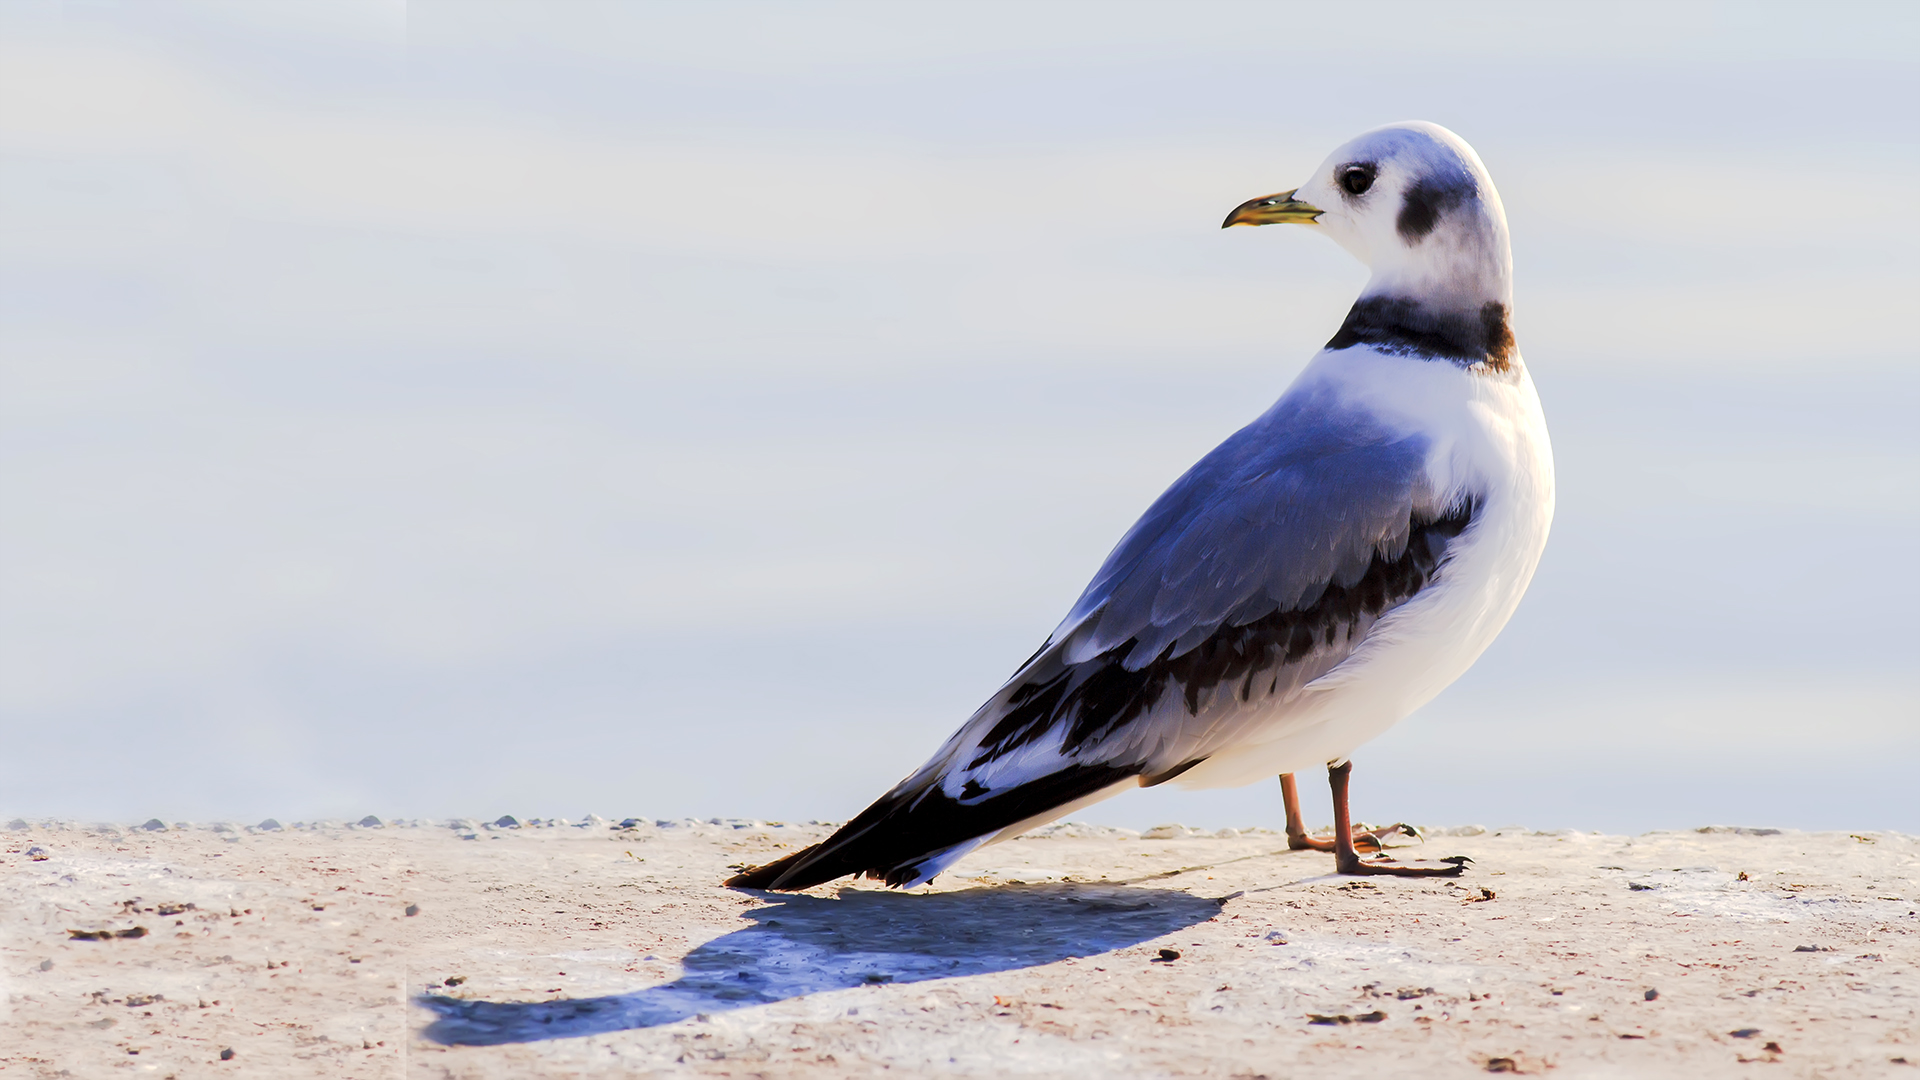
226, 1054
1744, 1033
413, 909
46, 965
1168, 956
1653, 995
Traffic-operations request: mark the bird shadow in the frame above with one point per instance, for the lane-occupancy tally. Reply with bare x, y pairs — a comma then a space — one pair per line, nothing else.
801, 945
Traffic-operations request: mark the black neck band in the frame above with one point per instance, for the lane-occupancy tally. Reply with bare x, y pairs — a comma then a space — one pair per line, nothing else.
1405, 328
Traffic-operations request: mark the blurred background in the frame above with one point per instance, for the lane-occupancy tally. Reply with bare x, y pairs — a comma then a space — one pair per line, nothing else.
467, 408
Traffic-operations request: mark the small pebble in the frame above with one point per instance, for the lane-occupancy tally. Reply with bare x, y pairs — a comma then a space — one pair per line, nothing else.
1373, 1017
1653, 995
226, 1054
1167, 956
413, 909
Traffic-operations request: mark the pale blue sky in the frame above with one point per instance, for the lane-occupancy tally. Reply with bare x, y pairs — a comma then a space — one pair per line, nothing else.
465, 409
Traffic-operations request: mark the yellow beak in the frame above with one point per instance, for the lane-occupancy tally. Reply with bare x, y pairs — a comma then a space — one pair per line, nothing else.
1278, 209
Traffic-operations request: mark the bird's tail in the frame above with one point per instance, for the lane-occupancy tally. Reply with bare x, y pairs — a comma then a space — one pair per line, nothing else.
917, 829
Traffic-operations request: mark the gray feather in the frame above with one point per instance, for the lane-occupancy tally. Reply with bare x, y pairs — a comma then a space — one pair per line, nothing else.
1301, 498
1207, 607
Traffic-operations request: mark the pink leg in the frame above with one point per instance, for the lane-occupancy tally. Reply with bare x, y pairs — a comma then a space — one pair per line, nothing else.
1346, 859
1369, 840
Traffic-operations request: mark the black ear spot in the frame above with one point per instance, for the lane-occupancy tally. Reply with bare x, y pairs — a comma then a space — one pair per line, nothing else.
1420, 211
1357, 177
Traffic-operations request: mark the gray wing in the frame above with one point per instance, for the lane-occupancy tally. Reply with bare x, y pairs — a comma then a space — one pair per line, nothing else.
1255, 573
1299, 500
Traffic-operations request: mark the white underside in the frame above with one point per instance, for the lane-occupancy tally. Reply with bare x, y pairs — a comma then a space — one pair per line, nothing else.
1488, 439
1490, 436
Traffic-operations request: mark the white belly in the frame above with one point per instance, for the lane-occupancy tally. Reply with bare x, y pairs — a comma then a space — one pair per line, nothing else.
1491, 439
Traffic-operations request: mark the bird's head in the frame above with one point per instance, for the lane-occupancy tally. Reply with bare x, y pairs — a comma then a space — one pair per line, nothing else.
1414, 203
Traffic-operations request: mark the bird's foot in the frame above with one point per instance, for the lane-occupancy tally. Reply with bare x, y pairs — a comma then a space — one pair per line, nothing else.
1386, 867
1365, 838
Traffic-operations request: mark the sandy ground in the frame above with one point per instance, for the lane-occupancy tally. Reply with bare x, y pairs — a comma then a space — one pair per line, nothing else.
587, 949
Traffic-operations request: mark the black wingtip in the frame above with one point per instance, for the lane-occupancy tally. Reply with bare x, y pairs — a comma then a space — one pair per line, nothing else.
768, 876
892, 840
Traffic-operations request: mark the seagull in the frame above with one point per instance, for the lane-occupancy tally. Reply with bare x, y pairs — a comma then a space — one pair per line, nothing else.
1317, 577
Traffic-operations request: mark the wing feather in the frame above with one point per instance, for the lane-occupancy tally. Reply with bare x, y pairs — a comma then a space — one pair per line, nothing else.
1258, 571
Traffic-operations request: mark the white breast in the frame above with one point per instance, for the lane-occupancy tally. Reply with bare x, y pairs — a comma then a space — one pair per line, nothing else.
1489, 438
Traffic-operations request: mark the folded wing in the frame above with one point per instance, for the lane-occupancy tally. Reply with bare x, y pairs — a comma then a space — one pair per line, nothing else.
1257, 572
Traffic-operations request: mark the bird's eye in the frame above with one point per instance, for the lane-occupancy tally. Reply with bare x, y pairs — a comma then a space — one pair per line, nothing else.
1356, 179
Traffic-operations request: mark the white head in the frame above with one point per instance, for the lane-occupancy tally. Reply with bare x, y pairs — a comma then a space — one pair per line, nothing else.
1413, 202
